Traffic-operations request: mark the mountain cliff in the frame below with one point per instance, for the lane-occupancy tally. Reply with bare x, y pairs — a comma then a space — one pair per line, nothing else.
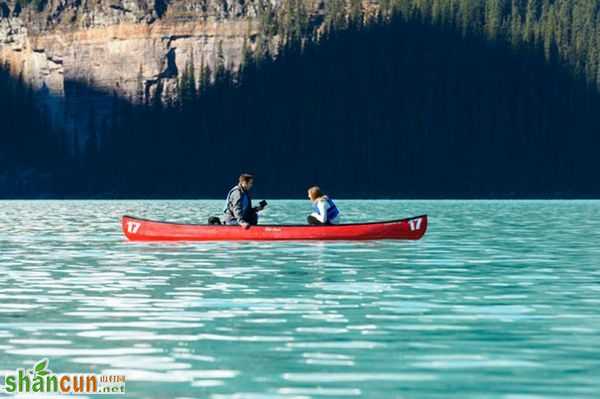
387, 98
126, 47
114, 44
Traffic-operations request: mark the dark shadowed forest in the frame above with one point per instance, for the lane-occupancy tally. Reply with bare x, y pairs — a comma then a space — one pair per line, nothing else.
422, 99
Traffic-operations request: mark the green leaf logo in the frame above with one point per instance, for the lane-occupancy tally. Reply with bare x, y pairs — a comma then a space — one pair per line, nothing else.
40, 368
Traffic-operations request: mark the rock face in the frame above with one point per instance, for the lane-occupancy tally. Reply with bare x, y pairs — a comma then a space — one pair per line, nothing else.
107, 42
122, 47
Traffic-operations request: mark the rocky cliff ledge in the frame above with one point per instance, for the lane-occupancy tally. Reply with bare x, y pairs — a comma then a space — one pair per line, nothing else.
112, 44
121, 46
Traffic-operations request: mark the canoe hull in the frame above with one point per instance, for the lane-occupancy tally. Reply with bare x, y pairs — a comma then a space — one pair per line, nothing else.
136, 229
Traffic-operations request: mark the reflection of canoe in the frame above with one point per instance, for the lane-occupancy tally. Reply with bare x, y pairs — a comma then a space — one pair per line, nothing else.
147, 230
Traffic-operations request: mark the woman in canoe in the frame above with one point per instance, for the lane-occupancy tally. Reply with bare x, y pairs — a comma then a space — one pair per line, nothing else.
325, 211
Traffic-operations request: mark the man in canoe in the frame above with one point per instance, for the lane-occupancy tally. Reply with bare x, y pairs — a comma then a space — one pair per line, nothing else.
325, 210
238, 206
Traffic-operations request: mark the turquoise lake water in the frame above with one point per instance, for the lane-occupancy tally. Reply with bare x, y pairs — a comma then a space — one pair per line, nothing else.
500, 299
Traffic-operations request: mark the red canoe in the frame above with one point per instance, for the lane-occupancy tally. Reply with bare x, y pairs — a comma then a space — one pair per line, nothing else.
147, 230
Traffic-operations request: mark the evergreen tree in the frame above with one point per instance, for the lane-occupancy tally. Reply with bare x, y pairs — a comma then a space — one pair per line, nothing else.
187, 84
205, 77
140, 92
515, 23
493, 19
220, 70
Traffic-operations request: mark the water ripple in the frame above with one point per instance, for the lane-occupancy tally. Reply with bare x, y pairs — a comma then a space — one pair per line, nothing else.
499, 300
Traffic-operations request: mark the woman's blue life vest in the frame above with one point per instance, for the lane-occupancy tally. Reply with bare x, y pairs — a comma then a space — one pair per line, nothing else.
244, 196
332, 212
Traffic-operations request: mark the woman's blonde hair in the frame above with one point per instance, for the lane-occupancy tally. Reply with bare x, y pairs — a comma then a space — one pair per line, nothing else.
315, 192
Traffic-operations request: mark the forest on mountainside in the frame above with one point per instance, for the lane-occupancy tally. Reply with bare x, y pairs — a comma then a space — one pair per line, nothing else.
428, 98
33, 156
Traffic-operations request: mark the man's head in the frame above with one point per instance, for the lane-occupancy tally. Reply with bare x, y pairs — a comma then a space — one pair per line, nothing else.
246, 181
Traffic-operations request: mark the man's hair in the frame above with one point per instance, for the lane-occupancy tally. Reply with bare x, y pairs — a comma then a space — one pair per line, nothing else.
246, 177
315, 192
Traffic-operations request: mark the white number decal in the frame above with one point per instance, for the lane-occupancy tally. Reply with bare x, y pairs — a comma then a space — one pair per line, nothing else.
414, 224
133, 227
